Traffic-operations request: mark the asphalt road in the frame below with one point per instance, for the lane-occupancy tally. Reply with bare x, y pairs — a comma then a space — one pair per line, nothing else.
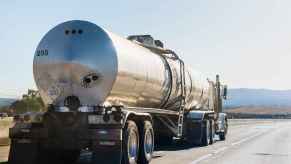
248, 142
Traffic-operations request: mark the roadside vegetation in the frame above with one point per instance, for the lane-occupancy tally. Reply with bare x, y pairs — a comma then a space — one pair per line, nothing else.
259, 112
30, 102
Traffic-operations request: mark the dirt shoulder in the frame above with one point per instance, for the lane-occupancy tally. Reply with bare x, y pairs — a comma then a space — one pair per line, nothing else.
5, 124
259, 112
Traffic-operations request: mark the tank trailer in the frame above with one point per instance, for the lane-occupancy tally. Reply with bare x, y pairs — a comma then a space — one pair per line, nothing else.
114, 97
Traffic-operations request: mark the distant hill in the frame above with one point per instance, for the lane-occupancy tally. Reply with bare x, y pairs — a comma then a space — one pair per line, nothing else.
242, 97
258, 97
259, 112
6, 101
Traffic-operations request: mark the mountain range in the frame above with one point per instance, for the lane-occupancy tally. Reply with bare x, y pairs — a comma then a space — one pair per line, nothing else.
258, 97
6, 101
237, 98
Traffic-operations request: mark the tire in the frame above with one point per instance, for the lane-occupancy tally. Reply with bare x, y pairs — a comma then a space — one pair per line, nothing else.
212, 131
205, 134
130, 147
146, 143
223, 134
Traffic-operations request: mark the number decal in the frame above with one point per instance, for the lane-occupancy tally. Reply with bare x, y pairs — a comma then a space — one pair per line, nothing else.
42, 52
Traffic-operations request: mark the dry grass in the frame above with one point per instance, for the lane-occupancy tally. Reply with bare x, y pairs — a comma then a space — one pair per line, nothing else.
5, 124
260, 110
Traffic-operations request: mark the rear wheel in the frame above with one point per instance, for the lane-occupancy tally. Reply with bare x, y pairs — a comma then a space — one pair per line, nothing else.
147, 143
212, 131
205, 133
130, 143
223, 134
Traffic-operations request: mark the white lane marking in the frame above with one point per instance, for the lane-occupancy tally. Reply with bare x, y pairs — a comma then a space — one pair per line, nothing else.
245, 139
201, 158
224, 148
220, 150
209, 155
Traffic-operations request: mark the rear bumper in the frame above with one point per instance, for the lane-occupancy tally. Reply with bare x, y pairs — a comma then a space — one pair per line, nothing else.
68, 138
62, 132
106, 145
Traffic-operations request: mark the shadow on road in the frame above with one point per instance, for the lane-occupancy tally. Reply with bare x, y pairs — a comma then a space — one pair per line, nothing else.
85, 157
175, 146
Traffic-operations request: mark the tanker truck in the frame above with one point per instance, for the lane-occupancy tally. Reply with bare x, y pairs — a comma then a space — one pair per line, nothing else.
114, 97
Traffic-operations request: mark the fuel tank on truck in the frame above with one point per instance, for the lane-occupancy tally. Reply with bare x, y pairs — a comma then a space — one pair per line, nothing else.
80, 61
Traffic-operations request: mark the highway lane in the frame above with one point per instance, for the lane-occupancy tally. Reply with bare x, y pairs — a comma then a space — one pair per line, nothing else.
271, 145
248, 141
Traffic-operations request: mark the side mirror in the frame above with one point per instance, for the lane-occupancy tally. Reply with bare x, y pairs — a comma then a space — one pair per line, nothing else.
224, 94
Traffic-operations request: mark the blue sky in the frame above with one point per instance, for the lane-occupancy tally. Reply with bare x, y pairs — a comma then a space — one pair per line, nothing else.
248, 42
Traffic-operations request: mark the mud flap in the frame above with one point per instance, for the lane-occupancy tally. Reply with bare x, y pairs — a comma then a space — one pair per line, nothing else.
108, 153
23, 151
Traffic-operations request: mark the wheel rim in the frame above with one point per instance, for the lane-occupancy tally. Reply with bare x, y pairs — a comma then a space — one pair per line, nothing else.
132, 146
148, 144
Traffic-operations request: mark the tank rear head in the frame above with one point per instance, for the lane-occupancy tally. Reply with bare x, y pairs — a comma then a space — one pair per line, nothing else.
75, 64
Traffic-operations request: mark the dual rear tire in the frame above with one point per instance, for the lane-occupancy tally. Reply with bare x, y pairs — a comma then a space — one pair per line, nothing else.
205, 140
208, 133
223, 134
138, 144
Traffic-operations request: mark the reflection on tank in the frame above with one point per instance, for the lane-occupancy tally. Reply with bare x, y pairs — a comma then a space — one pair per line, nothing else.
100, 67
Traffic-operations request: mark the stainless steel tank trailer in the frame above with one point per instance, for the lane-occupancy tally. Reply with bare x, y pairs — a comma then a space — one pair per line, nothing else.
115, 97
